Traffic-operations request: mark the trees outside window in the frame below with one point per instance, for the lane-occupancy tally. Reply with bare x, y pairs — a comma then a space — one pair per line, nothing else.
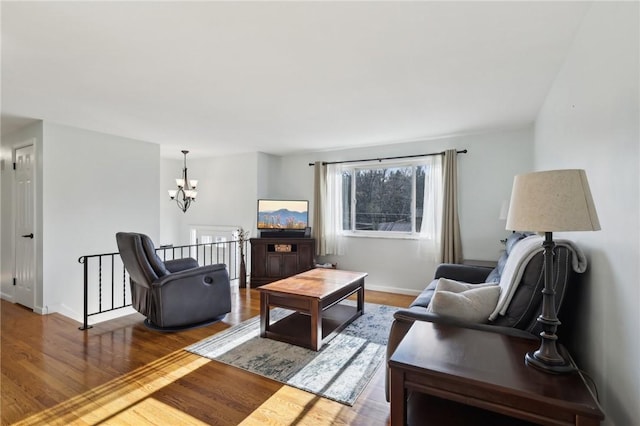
387, 198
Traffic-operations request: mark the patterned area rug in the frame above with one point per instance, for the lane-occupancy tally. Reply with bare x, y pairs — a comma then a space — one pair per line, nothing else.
340, 370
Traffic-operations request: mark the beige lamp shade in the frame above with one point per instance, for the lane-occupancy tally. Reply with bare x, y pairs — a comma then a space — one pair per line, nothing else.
550, 201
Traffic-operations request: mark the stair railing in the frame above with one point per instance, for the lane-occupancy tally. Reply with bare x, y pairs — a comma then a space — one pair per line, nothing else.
106, 287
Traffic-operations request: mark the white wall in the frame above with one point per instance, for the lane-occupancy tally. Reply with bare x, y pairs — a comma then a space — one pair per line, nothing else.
94, 186
227, 194
485, 177
269, 182
590, 121
170, 216
90, 186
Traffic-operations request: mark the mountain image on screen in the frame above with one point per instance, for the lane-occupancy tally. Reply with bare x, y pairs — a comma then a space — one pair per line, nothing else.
282, 219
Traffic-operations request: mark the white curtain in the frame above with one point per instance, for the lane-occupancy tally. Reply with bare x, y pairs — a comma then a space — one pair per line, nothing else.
328, 209
430, 230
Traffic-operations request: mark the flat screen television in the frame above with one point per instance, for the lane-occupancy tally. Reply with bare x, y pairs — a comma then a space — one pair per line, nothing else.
283, 215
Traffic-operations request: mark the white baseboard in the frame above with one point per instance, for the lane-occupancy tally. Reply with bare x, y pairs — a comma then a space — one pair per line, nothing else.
40, 310
6, 296
95, 319
67, 312
396, 290
9, 298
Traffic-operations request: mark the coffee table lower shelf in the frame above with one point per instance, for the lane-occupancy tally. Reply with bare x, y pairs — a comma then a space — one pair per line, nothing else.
295, 328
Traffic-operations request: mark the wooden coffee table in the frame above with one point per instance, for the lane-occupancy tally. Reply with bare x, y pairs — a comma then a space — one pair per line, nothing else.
315, 297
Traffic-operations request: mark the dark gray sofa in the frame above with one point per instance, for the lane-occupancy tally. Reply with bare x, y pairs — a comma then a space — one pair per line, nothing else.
521, 315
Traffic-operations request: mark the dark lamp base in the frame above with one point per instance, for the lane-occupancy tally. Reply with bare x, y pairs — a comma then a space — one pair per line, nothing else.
552, 368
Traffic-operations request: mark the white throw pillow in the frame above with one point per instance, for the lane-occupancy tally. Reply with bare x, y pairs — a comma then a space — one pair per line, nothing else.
474, 305
445, 284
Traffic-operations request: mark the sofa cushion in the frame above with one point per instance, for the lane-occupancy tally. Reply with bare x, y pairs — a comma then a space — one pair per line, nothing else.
424, 298
473, 305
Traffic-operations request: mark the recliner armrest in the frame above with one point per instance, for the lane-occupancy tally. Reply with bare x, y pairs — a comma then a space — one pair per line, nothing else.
463, 273
177, 265
202, 271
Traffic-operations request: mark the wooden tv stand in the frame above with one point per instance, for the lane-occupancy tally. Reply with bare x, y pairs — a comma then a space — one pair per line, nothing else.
275, 258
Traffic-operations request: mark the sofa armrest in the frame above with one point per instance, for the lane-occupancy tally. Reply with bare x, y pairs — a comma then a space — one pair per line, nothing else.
410, 315
463, 273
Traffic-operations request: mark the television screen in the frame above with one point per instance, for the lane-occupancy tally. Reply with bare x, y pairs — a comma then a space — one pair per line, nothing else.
283, 214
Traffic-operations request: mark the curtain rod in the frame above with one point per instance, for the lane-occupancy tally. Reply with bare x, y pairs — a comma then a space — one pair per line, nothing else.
324, 163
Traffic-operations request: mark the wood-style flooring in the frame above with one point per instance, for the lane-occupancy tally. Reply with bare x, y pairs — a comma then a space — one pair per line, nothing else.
120, 372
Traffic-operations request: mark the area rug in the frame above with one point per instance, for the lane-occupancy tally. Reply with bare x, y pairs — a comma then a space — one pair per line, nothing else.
340, 370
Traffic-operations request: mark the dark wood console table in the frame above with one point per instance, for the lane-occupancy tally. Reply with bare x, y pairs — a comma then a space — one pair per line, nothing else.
484, 371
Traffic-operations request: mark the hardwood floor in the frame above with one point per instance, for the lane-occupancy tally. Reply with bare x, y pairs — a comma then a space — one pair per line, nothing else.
120, 372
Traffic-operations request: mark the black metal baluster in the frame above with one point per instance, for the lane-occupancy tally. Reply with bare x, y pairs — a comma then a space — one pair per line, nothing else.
85, 324
124, 286
113, 284
100, 284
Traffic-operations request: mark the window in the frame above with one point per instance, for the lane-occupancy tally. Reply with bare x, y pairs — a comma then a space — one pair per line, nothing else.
384, 199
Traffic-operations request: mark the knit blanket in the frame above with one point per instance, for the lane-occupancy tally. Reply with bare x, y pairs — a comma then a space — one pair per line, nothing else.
517, 261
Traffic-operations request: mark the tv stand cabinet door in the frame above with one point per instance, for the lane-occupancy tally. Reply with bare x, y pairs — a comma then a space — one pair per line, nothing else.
274, 265
306, 251
258, 259
290, 264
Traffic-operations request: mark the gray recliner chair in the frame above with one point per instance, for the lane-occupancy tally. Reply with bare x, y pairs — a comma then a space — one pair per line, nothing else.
175, 294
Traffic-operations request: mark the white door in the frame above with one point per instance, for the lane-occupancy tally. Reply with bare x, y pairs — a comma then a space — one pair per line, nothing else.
25, 265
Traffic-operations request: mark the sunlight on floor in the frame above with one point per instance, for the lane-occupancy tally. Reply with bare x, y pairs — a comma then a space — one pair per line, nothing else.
124, 396
128, 400
284, 408
153, 412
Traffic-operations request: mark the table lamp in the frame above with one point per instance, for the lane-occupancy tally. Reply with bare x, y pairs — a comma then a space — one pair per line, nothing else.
551, 201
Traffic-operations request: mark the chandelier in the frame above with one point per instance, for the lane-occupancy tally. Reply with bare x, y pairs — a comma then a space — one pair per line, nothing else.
186, 192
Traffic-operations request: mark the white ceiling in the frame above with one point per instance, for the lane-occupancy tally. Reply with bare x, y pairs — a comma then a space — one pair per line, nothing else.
281, 77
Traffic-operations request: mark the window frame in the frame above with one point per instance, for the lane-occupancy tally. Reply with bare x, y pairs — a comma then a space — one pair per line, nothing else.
353, 168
